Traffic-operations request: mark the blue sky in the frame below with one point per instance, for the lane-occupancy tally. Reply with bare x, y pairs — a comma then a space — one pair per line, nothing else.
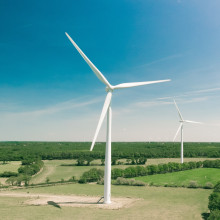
49, 93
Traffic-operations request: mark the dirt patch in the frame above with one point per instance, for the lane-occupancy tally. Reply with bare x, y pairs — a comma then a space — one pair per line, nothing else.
3, 181
43, 174
72, 200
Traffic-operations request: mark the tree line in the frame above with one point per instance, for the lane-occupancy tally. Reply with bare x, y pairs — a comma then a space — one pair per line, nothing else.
94, 174
17, 151
29, 167
214, 203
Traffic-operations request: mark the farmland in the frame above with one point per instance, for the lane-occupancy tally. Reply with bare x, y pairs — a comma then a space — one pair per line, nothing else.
176, 202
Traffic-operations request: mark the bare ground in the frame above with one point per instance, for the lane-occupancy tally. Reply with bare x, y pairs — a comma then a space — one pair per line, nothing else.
41, 176
72, 200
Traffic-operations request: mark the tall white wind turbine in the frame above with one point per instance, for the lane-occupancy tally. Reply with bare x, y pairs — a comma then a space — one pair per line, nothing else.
107, 110
182, 121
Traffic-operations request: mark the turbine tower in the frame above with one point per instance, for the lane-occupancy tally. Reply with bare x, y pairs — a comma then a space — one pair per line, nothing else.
182, 121
107, 110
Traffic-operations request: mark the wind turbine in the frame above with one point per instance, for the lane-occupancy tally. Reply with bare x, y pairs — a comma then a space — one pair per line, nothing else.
182, 121
107, 110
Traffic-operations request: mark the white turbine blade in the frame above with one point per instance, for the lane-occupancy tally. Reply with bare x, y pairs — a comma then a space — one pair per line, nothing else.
92, 66
181, 117
177, 132
194, 122
128, 85
104, 111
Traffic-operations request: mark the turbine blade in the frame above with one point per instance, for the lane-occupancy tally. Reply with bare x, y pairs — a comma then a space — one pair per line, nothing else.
104, 111
194, 122
177, 132
92, 66
128, 85
181, 117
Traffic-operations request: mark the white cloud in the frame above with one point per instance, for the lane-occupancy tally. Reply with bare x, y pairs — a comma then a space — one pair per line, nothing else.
162, 60
59, 107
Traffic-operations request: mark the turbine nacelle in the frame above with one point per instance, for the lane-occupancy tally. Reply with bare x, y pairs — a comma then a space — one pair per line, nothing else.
109, 89
182, 121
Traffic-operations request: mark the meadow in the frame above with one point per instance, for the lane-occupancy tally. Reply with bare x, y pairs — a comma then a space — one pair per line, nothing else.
10, 166
155, 203
201, 176
55, 172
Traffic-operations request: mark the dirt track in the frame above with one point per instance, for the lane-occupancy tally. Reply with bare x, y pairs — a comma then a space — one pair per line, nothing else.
74, 201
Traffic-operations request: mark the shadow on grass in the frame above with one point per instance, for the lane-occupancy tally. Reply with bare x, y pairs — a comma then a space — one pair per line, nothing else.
80, 203
205, 215
54, 204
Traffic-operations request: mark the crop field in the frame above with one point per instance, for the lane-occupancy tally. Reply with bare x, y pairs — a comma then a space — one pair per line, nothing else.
154, 203
202, 176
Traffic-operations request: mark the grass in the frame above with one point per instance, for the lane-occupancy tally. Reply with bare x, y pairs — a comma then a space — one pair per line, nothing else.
183, 178
176, 160
155, 203
10, 166
55, 172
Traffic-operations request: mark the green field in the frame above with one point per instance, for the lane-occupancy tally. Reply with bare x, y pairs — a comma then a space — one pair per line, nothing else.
10, 166
55, 172
156, 203
183, 178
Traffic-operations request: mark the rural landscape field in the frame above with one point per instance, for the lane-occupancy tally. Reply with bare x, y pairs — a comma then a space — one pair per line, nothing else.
51, 192
110, 110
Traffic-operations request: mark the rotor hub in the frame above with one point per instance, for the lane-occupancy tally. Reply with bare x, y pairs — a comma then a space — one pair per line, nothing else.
108, 89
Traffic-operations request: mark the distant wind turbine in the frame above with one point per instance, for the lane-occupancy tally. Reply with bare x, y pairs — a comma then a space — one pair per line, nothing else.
107, 110
182, 121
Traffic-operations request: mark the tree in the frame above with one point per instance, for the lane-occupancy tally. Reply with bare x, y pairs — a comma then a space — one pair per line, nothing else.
47, 180
5, 159
102, 162
27, 161
141, 171
114, 160
89, 160
80, 161
152, 169
214, 215
92, 175
26, 179
11, 180
142, 160
214, 201
130, 172
128, 161
217, 187
117, 173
